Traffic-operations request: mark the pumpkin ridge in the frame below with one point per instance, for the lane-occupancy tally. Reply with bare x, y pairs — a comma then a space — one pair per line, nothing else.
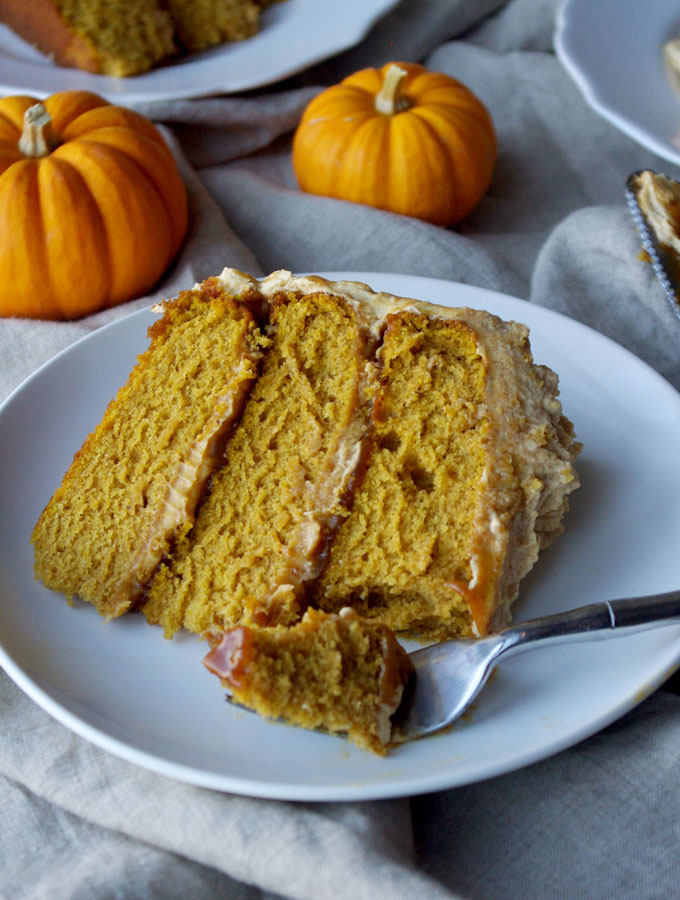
337, 144
38, 234
100, 135
433, 132
453, 180
8, 158
424, 82
368, 80
467, 120
176, 217
8, 129
98, 117
458, 123
120, 155
21, 196
356, 146
66, 107
465, 116
436, 129
99, 230
13, 108
485, 150
414, 138
134, 215
328, 106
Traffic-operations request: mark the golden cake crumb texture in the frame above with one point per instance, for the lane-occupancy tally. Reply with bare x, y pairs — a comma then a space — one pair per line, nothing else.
334, 672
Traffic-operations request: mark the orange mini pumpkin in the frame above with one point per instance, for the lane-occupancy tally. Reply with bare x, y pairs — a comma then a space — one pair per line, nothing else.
92, 205
400, 138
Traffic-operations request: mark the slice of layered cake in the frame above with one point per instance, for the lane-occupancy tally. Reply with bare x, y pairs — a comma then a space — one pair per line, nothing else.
338, 673
133, 486
292, 444
263, 531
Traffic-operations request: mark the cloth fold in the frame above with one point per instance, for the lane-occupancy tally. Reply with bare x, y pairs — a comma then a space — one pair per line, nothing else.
597, 822
553, 230
247, 839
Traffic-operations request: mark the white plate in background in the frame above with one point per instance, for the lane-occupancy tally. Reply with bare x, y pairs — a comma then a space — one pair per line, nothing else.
294, 35
613, 51
150, 701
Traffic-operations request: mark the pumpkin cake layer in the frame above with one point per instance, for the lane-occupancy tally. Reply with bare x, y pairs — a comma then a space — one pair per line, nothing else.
403, 556
262, 531
134, 484
470, 469
338, 673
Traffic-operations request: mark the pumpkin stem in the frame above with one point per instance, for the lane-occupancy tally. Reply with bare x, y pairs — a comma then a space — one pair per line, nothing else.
390, 100
38, 137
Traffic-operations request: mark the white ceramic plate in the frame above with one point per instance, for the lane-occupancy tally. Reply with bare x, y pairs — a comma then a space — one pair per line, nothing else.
613, 51
150, 701
293, 36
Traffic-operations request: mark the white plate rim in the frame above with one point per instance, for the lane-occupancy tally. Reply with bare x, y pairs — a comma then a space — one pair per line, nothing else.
583, 69
373, 787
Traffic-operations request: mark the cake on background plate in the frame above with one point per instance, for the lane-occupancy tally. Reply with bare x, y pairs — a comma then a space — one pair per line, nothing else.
127, 37
203, 23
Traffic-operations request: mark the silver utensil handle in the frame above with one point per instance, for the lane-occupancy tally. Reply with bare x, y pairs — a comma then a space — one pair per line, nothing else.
596, 621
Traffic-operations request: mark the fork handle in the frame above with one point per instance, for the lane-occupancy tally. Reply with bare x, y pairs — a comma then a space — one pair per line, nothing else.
595, 621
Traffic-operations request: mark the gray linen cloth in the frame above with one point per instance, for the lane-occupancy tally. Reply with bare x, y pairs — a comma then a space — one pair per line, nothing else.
597, 821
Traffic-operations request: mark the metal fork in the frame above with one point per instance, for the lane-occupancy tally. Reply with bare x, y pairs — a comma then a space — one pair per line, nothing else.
449, 675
